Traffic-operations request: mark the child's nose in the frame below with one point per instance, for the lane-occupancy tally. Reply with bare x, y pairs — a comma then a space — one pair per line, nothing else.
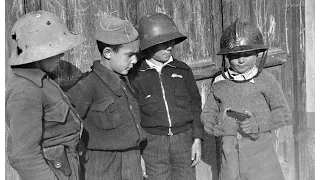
240, 60
134, 59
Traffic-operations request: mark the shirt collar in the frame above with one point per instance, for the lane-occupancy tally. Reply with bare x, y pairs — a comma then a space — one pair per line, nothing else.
247, 75
158, 67
35, 75
110, 78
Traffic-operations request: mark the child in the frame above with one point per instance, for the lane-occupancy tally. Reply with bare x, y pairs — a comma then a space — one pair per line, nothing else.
170, 103
112, 131
44, 129
247, 147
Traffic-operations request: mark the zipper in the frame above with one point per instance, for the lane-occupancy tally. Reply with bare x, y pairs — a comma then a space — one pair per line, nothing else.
166, 104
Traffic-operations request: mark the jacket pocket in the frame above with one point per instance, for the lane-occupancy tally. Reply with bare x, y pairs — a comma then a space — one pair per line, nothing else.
148, 105
182, 98
57, 159
57, 112
105, 113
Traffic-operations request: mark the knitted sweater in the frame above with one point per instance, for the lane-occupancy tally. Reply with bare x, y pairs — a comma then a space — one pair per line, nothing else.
264, 97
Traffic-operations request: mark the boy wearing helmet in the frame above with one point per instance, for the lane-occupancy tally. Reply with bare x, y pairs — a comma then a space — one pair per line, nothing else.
170, 102
247, 147
44, 129
112, 131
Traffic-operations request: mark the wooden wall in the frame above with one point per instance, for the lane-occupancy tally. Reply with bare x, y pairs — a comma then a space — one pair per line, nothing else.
281, 21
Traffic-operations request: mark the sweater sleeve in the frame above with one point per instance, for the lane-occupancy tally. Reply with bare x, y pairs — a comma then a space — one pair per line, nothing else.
279, 109
24, 112
209, 116
195, 105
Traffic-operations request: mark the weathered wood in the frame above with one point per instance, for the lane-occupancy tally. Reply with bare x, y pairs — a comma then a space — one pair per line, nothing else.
299, 88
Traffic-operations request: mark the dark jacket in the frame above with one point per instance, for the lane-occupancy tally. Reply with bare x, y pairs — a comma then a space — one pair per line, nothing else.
41, 124
111, 114
174, 86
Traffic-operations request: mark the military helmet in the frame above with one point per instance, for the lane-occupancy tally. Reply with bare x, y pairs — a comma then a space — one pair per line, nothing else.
241, 37
156, 29
38, 35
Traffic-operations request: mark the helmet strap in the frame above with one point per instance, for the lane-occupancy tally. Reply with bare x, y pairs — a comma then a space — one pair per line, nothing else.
262, 61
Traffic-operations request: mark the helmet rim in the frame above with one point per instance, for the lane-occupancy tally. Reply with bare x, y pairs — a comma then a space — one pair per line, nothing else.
39, 35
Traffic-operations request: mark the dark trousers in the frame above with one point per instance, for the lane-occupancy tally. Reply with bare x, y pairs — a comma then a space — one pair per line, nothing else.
113, 165
169, 157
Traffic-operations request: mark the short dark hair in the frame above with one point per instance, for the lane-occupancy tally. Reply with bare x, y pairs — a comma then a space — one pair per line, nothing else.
102, 45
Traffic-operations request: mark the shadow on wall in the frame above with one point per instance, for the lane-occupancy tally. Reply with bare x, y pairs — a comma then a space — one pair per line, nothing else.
66, 74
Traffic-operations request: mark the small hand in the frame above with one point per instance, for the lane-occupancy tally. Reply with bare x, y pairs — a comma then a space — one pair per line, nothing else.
196, 152
245, 126
249, 126
143, 166
208, 127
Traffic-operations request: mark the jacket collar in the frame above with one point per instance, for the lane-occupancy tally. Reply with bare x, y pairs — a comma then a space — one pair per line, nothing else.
110, 78
173, 63
35, 75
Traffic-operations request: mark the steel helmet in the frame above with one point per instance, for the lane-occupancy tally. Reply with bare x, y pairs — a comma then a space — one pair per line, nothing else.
241, 37
38, 35
157, 28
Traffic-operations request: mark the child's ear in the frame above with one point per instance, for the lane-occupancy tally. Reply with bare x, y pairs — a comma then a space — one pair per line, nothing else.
107, 52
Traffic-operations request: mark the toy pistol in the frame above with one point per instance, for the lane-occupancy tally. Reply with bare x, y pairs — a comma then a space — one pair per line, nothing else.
237, 115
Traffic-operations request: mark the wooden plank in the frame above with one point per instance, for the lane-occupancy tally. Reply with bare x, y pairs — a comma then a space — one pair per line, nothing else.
299, 88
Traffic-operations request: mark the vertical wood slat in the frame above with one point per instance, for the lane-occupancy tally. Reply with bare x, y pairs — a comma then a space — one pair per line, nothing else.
299, 93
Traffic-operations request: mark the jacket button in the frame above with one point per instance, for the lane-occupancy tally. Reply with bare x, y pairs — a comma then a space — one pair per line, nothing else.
239, 136
57, 165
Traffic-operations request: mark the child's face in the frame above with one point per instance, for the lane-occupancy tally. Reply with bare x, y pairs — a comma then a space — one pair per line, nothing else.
242, 62
123, 60
162, 52
49, 64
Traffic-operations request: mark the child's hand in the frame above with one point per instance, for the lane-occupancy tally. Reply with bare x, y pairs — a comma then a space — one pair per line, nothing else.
196, 152
208, 127
143, 166
250, 126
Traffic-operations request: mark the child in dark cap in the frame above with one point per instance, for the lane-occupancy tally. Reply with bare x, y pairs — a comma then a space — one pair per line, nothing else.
170, 103
112, 131
247, 148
